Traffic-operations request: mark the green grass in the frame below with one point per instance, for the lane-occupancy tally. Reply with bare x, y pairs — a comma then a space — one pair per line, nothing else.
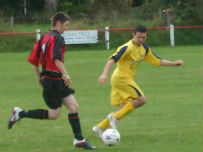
171, 121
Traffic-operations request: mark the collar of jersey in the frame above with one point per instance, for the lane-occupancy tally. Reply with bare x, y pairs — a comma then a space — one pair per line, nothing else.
135, 44
55, 31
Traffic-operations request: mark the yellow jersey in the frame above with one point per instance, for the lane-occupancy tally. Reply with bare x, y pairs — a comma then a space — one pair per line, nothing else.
128, 57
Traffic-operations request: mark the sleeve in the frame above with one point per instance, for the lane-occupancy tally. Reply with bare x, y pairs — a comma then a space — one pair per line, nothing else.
152, 58
35, 54
120, 53
58, 44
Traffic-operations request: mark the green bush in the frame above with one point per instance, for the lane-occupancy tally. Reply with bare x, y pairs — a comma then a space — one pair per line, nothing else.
22, 43
17, 43
188, 36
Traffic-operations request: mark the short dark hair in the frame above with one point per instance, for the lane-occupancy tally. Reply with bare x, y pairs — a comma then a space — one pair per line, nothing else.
140, 28
62, 17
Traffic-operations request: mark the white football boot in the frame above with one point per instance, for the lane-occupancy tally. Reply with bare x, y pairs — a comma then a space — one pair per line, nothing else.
83, 144
14, 117
98, 131
112, 121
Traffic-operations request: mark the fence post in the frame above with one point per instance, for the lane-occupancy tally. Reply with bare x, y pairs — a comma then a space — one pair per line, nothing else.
172, 40
38, 34
12, 21
107, 37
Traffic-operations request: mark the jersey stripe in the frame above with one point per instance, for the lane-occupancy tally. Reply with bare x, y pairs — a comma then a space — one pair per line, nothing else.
146, 48
156, 56
138, 92
119, 54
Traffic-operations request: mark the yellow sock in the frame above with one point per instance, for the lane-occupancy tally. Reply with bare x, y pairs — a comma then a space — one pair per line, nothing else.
124, 111
104, 124
118, 115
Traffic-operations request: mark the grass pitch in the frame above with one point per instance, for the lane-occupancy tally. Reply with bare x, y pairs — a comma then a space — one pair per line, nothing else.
171, 121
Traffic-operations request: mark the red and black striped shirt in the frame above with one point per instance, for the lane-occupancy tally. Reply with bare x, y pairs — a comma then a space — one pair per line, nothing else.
50, 47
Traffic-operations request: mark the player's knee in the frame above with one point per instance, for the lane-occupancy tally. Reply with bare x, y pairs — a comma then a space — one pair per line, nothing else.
54, 117
142, 99
54, 114
76, 106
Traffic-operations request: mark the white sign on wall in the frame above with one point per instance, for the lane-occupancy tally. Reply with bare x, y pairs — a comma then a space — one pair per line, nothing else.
80, 37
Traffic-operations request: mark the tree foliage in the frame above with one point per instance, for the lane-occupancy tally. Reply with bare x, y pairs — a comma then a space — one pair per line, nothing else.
181, 11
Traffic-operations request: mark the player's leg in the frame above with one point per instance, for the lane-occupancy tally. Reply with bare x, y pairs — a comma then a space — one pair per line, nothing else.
18, 114
132, 96
53, 114
52, 97
72, 105
125, 110
130, 106
104, 124
135, 98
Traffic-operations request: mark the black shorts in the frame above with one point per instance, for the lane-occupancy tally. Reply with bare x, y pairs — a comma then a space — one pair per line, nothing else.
54, 91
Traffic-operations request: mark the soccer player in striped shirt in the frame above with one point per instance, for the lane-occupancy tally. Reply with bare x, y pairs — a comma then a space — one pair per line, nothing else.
49, 52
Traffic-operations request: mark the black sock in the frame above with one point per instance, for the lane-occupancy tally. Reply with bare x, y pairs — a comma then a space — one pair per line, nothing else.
35, 114
75, 124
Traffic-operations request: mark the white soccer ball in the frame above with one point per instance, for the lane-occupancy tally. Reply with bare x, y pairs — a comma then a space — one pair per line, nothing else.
111, 137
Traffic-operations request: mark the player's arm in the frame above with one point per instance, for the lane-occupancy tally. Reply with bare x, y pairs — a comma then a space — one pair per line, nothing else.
37, 71
104, 76
120, 53
171, 63
34, 59
153, 59
61, 67
57, 57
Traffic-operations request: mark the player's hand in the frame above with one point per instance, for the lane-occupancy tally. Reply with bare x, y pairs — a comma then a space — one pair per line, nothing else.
179, 62
67, 80
102, 79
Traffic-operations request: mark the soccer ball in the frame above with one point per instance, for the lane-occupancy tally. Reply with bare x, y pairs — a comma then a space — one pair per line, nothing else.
111, 137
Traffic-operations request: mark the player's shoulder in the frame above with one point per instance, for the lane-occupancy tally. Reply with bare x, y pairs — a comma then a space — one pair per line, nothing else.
55, 34
125, 46
130, 43
146, 47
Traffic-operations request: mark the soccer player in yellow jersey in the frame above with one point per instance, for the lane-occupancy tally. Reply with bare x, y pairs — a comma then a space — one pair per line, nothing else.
125, 92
